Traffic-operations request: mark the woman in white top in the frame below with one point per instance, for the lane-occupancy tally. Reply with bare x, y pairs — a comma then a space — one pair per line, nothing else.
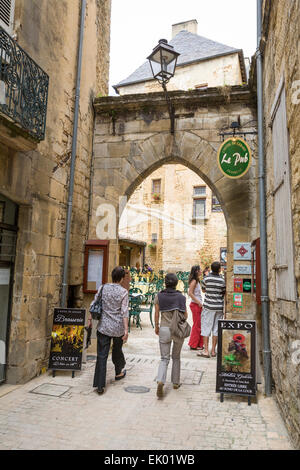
196, 340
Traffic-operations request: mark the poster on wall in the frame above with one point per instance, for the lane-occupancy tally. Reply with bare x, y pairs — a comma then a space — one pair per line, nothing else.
236, 363
238, 285
237, 300
223, 256
67, 339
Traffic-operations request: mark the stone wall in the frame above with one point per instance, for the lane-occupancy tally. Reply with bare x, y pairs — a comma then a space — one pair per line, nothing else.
199, 241
281, 60
38, 180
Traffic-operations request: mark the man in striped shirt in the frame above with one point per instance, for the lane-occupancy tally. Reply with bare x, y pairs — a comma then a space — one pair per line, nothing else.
214, 287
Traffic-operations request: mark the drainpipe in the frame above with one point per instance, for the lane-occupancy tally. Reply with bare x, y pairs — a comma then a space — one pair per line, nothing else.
73, 159
262, 205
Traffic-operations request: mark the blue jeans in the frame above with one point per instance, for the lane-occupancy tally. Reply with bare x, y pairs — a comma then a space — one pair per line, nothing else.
118, 359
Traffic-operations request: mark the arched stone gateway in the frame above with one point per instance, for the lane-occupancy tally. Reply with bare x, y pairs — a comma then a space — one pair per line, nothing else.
132, 139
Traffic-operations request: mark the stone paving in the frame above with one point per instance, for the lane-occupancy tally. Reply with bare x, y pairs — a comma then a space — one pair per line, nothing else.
65, 413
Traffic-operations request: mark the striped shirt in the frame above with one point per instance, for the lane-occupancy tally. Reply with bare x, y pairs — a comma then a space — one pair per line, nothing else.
214, 286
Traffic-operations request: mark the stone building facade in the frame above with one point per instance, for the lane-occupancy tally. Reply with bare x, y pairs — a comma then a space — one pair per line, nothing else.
132, 140
281, 67
34, 175
202, 63
175, 212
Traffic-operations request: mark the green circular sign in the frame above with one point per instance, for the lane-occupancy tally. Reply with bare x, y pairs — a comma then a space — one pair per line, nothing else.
234, 158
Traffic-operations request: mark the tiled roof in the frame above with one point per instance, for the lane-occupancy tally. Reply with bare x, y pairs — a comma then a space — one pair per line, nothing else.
192, 48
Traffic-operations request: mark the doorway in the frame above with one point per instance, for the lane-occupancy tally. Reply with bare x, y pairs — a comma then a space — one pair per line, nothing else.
8, 238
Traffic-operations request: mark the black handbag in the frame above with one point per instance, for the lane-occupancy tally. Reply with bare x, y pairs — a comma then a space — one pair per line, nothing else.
96, 307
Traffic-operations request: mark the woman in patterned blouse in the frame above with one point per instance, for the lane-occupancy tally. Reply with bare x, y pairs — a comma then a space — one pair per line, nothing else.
113, 325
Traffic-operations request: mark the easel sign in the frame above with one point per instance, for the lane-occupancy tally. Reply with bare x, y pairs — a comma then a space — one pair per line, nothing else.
67, 339
236, 363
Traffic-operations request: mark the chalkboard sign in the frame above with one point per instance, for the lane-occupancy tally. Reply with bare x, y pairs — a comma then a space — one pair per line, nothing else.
236, 363
67, 339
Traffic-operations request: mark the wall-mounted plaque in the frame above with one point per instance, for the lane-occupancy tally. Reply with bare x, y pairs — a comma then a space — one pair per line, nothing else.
242, 251
242, 269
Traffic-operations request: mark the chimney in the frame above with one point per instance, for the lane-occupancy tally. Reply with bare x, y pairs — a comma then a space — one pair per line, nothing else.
190, 26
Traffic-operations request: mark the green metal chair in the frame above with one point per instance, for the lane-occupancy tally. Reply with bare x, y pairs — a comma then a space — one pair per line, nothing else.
135, 290
148, 295
135, 304
149, 308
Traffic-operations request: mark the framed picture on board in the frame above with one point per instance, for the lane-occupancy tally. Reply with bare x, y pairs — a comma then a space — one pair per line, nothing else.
95, 265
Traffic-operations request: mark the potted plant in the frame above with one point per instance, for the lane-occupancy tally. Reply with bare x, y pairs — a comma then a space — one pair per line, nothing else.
156, 197
152, 246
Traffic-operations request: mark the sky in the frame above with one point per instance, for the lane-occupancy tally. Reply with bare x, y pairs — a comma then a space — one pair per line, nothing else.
137, 26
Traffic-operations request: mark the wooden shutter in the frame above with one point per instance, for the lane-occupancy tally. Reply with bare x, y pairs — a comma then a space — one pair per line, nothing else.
7, 9
284, 255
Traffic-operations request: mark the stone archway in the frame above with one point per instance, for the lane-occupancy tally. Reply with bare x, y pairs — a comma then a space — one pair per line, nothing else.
132, 140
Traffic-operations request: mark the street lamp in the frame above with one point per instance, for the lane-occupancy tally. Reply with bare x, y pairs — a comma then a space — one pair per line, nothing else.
163, 61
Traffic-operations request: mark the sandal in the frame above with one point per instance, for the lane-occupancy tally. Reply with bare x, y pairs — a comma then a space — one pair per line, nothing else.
201, 354
121, 376
214, 355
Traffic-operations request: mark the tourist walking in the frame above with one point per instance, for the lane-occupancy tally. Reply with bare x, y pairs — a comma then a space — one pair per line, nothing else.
112, 326
213, 306
196, 340
170, 308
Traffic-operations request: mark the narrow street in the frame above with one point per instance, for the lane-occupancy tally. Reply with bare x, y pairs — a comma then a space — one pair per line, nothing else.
65, 413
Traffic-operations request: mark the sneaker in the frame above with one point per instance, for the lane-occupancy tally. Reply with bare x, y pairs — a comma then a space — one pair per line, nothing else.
160, 390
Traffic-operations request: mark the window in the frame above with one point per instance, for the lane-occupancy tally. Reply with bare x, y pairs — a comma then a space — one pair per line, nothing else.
199, 208
156, 186
284, 252
199, 202
199, 191
215, 205
7, 9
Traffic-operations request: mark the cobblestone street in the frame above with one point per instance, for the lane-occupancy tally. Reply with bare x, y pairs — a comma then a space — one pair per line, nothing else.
66, 413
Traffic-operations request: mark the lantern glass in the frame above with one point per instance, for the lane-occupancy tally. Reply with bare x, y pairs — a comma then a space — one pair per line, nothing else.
163, 61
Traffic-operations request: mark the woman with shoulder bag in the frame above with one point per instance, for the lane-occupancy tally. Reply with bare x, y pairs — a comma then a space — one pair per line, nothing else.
112, 326
169, 303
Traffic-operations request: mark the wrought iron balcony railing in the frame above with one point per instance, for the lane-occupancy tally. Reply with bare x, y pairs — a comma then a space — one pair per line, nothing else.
23, 88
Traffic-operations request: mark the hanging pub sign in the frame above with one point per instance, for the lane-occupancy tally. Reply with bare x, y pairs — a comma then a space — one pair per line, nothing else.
67, 339
236, 363
234, 157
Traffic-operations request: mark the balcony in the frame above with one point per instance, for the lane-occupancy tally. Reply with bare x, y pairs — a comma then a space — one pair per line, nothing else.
23, 94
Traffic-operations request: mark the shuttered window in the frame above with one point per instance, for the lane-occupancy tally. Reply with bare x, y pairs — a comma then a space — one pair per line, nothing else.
7, 9
284, 254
